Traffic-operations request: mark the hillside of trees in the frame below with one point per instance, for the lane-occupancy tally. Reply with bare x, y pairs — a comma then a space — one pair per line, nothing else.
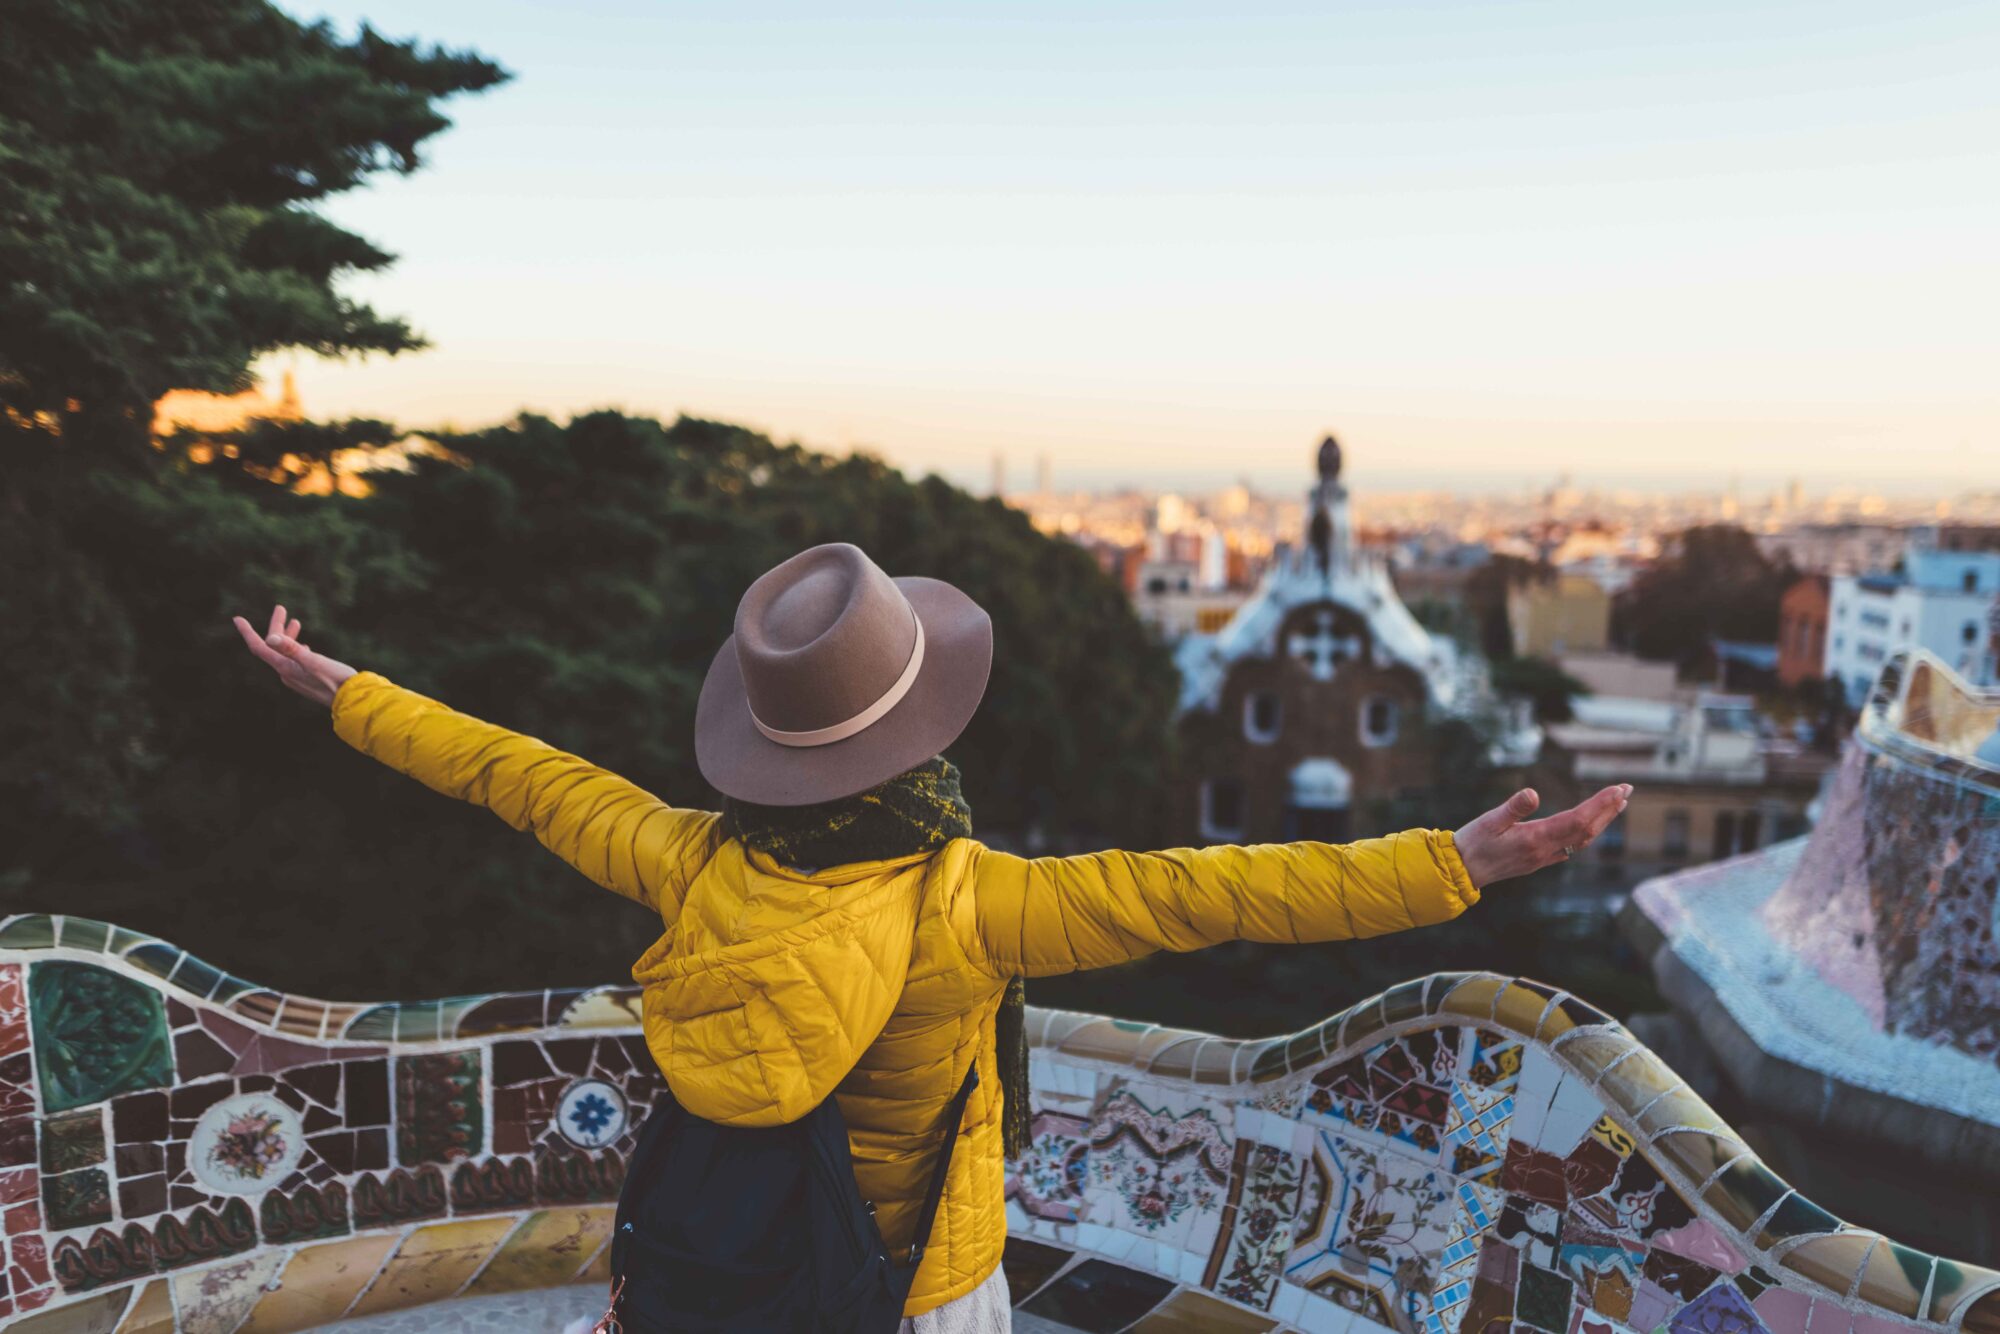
159, 230
569, 580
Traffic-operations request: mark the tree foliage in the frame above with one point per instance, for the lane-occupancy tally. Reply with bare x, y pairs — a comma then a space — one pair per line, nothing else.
1546, 684
1713, 582
568, 580
1486, 590
159, 164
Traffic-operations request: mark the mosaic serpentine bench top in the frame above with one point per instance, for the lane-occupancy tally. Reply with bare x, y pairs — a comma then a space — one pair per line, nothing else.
182, 1151
1870, 951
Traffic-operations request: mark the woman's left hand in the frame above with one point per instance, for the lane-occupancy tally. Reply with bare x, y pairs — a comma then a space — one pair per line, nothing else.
1499, 845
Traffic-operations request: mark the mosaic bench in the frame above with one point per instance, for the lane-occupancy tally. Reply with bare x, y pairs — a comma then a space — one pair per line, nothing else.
182, 1151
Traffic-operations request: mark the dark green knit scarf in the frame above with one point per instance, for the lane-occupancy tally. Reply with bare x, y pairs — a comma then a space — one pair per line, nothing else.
919, 810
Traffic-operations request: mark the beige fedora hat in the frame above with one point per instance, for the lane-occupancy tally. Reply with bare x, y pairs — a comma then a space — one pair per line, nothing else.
838, 678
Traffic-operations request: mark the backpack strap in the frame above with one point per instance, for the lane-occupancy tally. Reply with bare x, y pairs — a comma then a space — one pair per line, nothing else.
954, 1122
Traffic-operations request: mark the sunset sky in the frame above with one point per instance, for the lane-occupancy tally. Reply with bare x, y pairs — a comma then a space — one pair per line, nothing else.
1647, 244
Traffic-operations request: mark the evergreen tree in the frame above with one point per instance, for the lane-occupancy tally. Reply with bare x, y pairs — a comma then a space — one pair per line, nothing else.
159, 164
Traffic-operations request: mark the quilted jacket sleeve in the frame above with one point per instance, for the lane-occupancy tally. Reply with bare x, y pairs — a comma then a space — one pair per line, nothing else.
1061, 914
616, 833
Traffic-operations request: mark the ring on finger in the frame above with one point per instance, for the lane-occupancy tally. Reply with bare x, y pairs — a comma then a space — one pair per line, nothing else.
1568, 852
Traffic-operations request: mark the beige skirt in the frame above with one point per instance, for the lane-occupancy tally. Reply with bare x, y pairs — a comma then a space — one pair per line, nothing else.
985, 1310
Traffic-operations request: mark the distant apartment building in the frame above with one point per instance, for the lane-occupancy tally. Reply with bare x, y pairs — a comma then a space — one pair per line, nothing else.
1938, 599
1172, 598
1707, 780
1622, 675
1569, 613
1836, 548
1802, 621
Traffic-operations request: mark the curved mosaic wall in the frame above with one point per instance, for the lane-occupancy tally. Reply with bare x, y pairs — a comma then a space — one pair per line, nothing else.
1895, 899
182, 1151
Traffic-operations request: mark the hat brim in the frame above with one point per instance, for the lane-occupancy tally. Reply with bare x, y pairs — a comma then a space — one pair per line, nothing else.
741, 762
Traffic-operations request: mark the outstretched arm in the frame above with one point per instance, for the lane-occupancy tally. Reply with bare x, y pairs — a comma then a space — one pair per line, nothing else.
613, 831
1060, 914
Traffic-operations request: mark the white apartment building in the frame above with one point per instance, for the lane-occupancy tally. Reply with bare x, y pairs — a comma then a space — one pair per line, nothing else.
1944, 601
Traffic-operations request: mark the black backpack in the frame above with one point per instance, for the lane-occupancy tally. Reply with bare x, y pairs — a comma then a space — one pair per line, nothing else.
758, 1231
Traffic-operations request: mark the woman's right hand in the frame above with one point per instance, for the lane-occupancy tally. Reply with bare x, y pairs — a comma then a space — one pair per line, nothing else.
308, 673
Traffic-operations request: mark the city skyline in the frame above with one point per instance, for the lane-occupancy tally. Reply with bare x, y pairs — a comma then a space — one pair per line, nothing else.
1488, 245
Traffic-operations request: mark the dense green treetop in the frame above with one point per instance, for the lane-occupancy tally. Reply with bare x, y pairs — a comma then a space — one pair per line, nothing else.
159, 164
571, 581
1713, 582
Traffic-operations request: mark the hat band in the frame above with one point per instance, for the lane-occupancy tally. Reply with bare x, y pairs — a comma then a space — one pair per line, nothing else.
826, 736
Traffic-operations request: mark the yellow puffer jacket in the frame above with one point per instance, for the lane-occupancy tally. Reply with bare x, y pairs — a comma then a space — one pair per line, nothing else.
877, 982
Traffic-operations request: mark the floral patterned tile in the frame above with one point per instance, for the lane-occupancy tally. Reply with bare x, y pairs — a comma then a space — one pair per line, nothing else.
1158, 1175
1378, 1221
1256, 1232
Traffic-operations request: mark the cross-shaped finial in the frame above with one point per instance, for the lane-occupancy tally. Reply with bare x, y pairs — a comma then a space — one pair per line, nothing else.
1323, 651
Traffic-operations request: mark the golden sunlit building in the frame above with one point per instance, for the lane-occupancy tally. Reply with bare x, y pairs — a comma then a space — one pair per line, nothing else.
1570, 613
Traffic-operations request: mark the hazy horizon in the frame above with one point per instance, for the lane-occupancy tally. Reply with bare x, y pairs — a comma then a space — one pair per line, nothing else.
1486, 244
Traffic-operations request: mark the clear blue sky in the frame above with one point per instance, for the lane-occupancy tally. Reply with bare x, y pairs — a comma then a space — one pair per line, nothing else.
1483, 242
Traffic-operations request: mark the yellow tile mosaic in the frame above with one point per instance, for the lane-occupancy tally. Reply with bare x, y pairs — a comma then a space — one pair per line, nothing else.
152, 1311
1678, 1110
1473, 998
434, 1262
1520, 1006
547, 1250
1832, 1261
320, 1283
1896, 1278
1698, 1156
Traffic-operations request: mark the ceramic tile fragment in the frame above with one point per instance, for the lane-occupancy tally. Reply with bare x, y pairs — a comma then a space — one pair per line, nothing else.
151, 1312
98, 1314
433, 1262
546, 1250
319, 1283
1783, 1310
215, 1300
96, 1033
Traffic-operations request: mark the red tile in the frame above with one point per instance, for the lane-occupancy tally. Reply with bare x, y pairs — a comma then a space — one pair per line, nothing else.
267, 1055
228, 1032
13, 1011
24, 1218
17, 1141
31, 1254
19, 1184
17, 1085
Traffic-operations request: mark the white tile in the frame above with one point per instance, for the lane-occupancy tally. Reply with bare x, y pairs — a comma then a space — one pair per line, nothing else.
1539, 1076
1285, 1306
1572, 1112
